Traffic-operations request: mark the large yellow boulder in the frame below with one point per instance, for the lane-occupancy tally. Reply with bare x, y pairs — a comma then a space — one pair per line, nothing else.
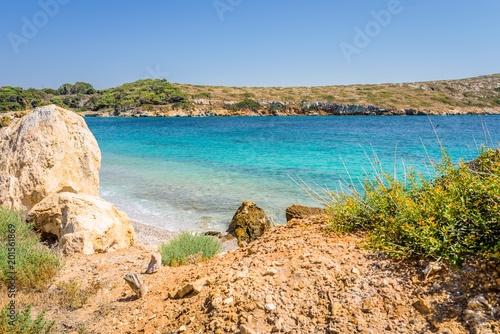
82, 223
49, 150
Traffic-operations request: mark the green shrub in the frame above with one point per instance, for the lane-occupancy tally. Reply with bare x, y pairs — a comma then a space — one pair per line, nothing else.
202, 96
454, 214
179, 248
73, 296
24, 324
247, 104
35, 265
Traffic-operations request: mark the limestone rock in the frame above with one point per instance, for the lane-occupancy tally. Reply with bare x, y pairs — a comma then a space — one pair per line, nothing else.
154, 264
82, 223
299, 211
246, 330
194, 287
249, 223
422, 306
136, 284
50, 150
432, 268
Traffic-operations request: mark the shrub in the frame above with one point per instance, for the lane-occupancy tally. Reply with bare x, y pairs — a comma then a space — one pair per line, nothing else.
73, 296
454, 214
202, 96
247, 104
4, 121
35, 264
179, 248
24, 324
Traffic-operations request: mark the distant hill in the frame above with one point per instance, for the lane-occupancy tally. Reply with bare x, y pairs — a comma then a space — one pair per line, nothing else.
83, 97
158, 97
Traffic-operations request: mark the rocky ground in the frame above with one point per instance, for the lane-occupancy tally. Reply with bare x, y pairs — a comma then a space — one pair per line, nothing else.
297, 278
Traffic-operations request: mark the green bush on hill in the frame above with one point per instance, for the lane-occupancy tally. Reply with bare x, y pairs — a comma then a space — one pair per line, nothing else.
82, 96
247, 104
453, 215
16, 98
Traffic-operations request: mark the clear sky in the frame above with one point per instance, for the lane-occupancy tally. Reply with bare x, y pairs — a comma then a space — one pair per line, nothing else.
246, 42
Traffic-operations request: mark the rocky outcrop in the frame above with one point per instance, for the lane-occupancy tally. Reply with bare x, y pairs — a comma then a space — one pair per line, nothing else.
50, 150
299, 211
249, 223
82, 223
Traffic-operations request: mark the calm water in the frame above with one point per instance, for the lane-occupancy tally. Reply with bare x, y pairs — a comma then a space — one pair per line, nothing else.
193, 173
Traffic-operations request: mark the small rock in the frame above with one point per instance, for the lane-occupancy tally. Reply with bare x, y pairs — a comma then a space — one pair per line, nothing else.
270, 307
155, 263
245, 330
195, 287
214, 234
269, 299
227, 237
271, 272
298, 211
333, 330
367, 305
135, 282
355, 271
432, 268
479, 303
182, 329
228, 301
422, 306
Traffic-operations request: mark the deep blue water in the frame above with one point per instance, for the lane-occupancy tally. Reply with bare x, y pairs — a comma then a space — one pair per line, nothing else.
193, 173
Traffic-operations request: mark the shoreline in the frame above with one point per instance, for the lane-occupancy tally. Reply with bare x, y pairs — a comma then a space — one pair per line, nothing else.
149, 234
154, 236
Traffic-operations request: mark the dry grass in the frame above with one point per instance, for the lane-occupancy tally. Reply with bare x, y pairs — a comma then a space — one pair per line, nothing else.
480, 92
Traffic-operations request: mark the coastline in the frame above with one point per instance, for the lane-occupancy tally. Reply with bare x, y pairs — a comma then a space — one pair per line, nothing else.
152, 237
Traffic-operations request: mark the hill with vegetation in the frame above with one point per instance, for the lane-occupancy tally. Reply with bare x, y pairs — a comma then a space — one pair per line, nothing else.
479, 95
83, 97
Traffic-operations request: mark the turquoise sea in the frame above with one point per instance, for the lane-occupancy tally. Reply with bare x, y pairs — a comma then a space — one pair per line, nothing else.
193, 173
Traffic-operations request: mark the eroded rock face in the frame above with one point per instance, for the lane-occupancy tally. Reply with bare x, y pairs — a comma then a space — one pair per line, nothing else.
82, 223
49, 150
299, 211
249, 222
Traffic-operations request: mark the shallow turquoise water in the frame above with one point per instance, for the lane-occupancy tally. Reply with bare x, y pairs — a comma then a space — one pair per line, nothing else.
193, 173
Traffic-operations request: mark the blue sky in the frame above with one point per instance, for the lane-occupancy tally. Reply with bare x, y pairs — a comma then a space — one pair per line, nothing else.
246, 42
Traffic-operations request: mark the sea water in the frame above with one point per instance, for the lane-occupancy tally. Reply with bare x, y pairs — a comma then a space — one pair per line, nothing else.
194, 173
